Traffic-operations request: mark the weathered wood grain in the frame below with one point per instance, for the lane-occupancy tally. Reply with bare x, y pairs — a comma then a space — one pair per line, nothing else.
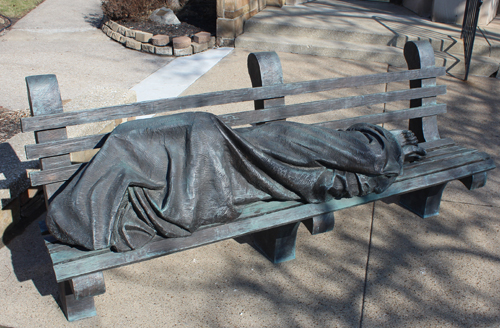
59, 147
418, 55
40, 178
44, 122
316, 107
44, 98
88, 286
444, 164
397, 115
75, 309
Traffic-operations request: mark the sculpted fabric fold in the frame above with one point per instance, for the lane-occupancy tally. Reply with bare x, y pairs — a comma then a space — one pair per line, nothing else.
171, 175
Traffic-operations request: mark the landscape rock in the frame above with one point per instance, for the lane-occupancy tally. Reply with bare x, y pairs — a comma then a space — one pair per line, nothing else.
148, 48
199, 47
181, 42
165, 51
160, 40
143, 36
183, 52
201, 37
164, 16
130, 33
132, 44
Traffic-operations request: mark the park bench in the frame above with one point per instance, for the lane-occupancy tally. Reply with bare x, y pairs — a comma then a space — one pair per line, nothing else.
273, 225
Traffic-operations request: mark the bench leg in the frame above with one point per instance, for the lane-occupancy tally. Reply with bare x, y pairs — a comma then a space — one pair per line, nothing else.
320, 224
77, 295
425, 202
475, 181
277, 244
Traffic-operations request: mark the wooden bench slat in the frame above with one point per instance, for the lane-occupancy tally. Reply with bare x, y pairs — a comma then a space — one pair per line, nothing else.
45, 122
96, 141
62, 253
108, 260
67, 146
316, 107
39, 178
439, 143
446, 163
402, 114
63, 256
440, 154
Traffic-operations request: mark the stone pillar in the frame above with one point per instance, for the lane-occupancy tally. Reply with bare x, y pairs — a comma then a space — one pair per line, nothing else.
281, 3
420, 7
231, 16
452, 11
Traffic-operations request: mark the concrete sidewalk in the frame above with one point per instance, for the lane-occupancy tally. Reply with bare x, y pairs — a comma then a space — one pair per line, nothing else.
62, 37
381, 266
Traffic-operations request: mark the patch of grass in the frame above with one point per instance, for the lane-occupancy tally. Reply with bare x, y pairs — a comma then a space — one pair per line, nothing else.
17, 8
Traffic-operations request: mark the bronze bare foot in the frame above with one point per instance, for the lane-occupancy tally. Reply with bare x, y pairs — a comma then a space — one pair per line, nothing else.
409, 144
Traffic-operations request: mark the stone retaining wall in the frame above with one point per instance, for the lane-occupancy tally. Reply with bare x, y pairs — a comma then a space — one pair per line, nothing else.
232, 14
142, 41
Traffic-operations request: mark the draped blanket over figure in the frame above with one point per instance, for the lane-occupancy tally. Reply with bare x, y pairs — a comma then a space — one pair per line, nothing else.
170, 175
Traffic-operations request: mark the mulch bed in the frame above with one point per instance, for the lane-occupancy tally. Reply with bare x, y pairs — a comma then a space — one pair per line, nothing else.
196, 16
10, 122
183, 29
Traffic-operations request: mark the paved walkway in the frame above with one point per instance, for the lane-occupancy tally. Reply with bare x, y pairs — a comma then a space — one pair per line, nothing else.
381, 266
60, 37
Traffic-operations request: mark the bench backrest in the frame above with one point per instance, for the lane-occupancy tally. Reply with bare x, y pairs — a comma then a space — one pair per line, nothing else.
53, 147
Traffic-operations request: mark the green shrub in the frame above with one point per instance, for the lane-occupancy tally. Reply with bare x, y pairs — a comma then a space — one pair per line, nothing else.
138, 9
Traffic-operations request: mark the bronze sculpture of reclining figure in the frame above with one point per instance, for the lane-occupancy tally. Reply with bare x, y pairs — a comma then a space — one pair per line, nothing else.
171, 175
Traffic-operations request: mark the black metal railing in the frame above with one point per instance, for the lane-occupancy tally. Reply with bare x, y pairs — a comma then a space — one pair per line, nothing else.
469, 26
